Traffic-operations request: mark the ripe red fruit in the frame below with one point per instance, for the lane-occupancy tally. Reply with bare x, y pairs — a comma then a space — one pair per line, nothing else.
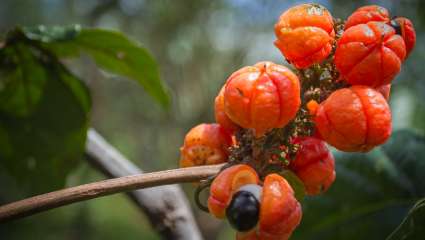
226, 183
280, 211
262, 97
205, 144
354, 119
221, 116
367, 14
313, 164
404, 27
369, 54
305, 34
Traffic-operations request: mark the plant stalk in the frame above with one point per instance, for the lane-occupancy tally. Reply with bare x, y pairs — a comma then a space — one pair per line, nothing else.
44, 202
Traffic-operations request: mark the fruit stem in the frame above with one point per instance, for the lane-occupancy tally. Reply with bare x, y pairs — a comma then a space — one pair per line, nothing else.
43, 202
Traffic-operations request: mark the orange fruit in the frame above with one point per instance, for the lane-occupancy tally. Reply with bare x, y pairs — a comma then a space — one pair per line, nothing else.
205, 144
221, 116
280, 211
305, 34
369, 54
354, 119
262, 97
367, 14
404, 27
225, 184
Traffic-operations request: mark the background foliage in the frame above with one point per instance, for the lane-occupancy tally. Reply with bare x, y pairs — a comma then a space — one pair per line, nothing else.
197, 44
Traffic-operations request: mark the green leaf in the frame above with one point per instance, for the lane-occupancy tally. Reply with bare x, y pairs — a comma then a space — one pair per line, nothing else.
117, 54
76, 86
412, 226
296, 184
39, 150
22, 80
406, 149
371, 194
111, 51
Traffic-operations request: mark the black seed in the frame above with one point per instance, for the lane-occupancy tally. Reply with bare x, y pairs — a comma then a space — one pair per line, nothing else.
243, 211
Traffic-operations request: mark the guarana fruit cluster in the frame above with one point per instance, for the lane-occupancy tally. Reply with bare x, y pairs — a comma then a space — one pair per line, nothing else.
273, 120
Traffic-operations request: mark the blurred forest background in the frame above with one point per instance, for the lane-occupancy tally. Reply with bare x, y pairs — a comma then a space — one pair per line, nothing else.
197, 44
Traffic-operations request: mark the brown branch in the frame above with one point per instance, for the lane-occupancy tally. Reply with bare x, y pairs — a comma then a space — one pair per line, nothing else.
166, 207
71, 195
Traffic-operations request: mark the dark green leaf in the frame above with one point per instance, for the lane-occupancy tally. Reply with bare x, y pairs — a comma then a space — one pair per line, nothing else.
413, 226
406, 149
22, 80
76, 86
111, 51
39, 150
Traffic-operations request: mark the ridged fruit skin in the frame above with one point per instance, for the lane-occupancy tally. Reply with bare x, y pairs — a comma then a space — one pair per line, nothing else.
367, 14
369, 54
205, 144
408, 33
313, 164
262, 97
305, 34
221, 116
280, 211
354, 119
225, 184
